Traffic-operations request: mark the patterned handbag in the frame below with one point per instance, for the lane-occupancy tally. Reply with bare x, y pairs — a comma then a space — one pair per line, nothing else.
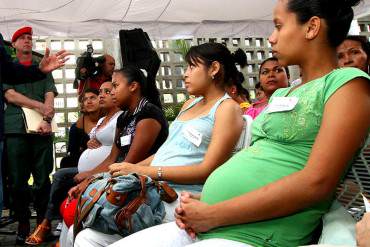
123, 204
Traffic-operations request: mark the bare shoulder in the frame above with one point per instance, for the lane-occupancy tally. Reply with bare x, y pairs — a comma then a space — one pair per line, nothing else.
79, 123
229, 106
358, 88
187, 103
229, 113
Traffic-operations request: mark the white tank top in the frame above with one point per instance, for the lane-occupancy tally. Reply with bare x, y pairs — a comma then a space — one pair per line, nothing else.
90, 158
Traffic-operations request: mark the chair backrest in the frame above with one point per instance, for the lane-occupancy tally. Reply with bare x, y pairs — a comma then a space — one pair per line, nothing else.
246, 135
356, 183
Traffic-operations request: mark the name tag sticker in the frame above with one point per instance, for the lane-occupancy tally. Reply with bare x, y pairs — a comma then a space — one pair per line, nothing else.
193, 135
281, 104
125, 140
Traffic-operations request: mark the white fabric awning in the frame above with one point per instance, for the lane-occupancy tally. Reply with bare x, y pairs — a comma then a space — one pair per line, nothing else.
162, 19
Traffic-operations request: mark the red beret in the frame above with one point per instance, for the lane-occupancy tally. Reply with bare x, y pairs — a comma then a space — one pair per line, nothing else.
20, 32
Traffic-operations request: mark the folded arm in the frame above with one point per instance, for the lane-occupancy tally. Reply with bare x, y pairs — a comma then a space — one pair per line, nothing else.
21, 100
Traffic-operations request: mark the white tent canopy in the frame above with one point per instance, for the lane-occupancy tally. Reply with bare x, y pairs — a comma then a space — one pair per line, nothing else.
162, 19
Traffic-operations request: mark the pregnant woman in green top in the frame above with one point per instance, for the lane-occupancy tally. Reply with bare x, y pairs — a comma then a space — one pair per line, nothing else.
275, 192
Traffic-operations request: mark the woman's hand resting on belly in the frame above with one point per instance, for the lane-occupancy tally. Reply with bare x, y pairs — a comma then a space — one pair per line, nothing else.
93, 144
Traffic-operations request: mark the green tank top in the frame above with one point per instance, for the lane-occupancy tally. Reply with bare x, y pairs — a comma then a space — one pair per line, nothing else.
281, 144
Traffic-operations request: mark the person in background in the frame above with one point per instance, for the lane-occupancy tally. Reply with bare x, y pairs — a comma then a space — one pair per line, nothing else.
28, 153
15, 73
104, 74
99, 146
272, 76
238, 93
79, 131
260, 94
275, 192
354, 52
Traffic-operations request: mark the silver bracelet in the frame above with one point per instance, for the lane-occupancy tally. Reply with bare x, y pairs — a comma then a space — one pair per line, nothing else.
159, 173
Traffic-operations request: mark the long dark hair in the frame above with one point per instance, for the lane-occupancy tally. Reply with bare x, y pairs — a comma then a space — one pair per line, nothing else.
239, 86
338, 15
147, 83
210, 52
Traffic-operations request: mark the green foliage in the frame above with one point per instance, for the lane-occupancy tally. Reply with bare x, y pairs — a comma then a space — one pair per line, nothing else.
171, 111
61, 139
181, 45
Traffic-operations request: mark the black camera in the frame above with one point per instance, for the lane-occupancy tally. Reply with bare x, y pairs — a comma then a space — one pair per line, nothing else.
87, 66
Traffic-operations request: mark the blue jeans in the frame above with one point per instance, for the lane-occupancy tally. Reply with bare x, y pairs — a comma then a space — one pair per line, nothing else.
62, 182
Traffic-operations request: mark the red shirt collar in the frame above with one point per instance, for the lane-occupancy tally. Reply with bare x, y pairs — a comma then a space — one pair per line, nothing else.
26, 63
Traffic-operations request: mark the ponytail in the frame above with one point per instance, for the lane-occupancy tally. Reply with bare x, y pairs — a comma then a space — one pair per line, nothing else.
210, 52
147, 83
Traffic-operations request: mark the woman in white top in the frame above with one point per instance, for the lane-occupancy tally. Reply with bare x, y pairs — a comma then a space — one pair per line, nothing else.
99, 146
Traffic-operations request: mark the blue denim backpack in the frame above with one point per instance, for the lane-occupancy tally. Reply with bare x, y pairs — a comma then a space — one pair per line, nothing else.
123, 204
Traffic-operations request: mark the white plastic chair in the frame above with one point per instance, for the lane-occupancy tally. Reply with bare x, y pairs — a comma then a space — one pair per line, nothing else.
246, 135
356, 183
337, 225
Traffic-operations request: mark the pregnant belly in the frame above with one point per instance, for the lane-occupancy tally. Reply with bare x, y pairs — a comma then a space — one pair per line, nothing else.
90, 158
